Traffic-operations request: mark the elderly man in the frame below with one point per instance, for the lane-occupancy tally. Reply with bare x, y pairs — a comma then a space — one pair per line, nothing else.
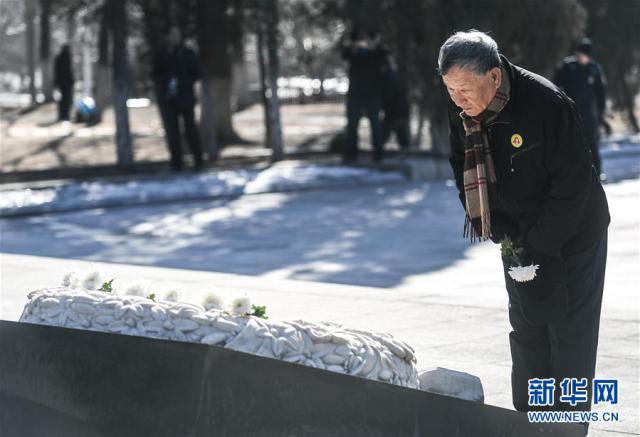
525, 178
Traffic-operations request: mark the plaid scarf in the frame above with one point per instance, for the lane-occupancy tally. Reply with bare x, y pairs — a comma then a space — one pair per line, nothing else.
479, 173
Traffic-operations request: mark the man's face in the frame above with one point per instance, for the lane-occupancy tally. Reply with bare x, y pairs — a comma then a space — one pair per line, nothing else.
470, 91
583, 59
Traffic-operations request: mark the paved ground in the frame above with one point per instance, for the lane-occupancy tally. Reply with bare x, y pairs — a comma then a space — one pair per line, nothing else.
387, 258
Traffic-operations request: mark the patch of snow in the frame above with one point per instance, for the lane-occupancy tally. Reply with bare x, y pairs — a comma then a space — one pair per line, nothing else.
286, 176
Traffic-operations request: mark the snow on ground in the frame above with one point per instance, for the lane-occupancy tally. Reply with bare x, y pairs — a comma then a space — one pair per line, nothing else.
380, 236
376, 234
283, 176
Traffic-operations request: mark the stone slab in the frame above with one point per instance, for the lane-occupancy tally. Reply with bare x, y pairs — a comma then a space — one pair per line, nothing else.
60, 381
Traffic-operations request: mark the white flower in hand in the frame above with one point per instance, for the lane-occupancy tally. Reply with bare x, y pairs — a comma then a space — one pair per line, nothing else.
523, 274
241, 305
212, 301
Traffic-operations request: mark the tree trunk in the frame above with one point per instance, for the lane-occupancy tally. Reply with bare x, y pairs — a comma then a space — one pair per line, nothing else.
86, 41
263, 84
209, 104
45, 50
439, 130
103, 71
274, 71
213, 41
417, 139
120, 82
208, 120
71, 26
29, 19
403, 10
240, 91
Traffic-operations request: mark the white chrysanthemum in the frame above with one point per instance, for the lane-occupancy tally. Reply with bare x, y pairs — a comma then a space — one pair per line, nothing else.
212, 301
523, 274
70, 279
241, 305
92, 280
137, 289
173, 295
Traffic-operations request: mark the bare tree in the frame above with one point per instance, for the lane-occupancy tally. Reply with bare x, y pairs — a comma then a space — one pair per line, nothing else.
214, 47
274, 102
208, 53
103, 70
263, 82
118, 9
29, 19
45, 49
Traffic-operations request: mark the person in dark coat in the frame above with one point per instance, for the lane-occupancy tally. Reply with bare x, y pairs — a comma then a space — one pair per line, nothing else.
581, 78
524, 175
366, 60
63, 81
175, 70
395, 106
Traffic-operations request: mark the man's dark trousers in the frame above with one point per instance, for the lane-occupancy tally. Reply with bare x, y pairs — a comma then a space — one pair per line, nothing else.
356, 106
399, 126
566, 348
172, 111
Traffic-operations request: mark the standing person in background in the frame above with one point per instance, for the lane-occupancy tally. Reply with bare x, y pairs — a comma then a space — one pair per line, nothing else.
175, 71
63, 80
395, 105
581, 78
366, 60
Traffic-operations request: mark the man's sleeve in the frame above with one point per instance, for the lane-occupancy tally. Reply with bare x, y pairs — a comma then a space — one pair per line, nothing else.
569, 167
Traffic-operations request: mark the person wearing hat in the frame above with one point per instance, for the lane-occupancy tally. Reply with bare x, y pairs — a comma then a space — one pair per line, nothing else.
524, 176
581, 78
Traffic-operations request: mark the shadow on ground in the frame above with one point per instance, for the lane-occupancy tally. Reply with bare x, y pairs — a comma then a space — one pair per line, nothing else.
368, 236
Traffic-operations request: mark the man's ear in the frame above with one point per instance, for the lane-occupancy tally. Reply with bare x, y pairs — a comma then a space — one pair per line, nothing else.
496, 76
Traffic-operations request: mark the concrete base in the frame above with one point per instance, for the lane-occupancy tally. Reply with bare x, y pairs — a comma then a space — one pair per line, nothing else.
59, 381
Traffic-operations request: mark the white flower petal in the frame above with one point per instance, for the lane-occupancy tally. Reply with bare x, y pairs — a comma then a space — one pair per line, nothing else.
212, 301
137, 289
92, 280
523, 274
172, 295
70, 279
241, 305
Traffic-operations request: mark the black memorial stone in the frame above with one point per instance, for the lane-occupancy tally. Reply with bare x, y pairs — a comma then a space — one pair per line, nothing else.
66, 382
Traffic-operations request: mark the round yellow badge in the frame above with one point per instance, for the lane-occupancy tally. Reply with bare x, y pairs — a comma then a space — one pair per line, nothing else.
516, 140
